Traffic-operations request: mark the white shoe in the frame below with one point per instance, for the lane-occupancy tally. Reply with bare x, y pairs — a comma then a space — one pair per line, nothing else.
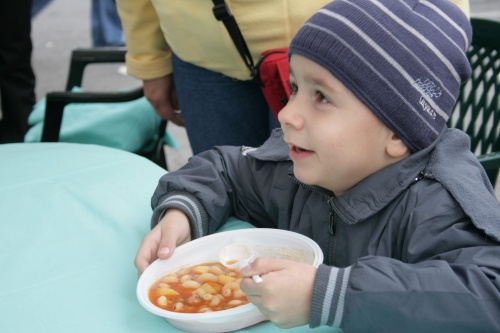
122, 70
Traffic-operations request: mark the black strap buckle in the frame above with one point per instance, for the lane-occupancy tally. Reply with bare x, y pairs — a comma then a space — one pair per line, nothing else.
221, 11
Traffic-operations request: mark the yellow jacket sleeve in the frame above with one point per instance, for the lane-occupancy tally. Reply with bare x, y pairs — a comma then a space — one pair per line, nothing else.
148, 55
464, 5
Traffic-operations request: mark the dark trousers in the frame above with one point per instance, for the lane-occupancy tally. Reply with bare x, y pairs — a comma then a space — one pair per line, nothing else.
17, 80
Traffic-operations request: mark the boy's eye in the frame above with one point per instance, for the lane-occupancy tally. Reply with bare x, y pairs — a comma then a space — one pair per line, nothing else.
321, 98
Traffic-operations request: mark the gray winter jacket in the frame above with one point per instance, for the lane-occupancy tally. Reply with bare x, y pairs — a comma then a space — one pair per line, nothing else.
414, 247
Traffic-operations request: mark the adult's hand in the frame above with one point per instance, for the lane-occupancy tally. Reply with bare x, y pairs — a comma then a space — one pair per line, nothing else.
161, 94
173, 230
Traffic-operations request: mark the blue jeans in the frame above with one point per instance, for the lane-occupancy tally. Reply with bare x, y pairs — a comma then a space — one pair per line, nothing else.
106, 24
219, 110
37, 6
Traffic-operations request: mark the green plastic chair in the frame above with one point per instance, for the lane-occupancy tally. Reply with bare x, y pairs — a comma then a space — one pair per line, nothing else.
477, 111
56, 102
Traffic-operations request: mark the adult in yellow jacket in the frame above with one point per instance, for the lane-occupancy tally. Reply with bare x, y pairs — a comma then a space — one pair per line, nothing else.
187, 60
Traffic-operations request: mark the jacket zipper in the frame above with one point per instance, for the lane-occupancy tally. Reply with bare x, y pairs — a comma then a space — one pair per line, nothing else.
332, 228
419, 177
335, 217
332, 224
313, 188
334, 212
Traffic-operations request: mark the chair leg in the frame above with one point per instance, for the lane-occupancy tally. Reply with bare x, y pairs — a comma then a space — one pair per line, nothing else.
161, 157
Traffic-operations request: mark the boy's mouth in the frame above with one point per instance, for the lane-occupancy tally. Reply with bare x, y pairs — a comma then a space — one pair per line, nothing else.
300, 150
299, 153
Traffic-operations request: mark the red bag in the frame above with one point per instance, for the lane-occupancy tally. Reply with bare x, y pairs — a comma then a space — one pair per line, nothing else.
274, 77
271, 70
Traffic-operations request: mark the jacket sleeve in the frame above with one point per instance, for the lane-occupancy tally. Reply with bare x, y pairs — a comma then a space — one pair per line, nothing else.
464, 6
446, 278
215, 185
148, 55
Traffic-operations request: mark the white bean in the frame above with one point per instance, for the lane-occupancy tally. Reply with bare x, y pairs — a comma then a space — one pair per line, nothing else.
234, 302
207, 277
200, 292
162, 300
229, 288
170, 279
203, 310
178, 306
216, 300
216, 270
191, 284
186, 277
208, 297
238, 293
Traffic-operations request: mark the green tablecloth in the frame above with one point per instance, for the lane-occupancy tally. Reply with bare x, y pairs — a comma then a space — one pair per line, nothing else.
71, 219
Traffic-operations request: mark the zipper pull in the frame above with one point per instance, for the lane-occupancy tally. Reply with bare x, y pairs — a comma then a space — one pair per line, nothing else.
419, 177
332, 228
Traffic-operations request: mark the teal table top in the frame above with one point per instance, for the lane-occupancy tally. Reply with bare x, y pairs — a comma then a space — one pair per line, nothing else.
72, 217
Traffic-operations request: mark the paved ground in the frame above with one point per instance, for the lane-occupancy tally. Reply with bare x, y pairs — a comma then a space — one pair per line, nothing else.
485, 8
64, 25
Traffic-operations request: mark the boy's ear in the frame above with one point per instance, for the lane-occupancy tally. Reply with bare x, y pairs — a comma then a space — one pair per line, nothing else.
396, 147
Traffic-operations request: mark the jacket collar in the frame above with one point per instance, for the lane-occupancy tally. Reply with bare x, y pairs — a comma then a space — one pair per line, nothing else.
376, 191
450, 162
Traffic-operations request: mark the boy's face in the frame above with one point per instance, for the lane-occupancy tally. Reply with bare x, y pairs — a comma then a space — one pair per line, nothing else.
335, 140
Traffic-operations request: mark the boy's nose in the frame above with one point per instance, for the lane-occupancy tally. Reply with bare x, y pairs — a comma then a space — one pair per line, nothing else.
290, 115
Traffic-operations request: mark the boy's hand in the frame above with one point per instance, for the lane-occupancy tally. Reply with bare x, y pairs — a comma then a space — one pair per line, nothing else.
172, 231
285, 294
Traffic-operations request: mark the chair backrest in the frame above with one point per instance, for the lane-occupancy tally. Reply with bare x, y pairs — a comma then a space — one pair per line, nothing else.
56, 103
478, 108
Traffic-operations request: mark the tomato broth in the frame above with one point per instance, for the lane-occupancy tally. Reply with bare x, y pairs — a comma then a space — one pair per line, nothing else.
201, 288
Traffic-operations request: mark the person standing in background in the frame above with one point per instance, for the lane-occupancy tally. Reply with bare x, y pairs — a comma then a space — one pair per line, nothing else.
106, 24
17, 80
181, 52
182, 41
106, 28
37, 6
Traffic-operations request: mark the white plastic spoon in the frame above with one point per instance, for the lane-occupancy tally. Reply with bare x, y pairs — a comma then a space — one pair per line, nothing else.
237, 256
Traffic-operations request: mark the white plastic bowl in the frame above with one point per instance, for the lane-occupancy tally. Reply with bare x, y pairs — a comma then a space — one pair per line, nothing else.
265, 242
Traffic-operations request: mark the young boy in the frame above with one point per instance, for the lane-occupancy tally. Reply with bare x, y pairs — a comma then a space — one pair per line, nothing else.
364, 165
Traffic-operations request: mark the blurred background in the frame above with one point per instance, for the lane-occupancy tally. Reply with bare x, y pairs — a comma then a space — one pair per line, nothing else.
60, 27
63, 25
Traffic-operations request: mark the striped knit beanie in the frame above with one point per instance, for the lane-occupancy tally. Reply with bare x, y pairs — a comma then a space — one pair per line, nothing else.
404, 59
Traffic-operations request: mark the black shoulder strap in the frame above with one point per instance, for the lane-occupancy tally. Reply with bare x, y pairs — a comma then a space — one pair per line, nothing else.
222, 13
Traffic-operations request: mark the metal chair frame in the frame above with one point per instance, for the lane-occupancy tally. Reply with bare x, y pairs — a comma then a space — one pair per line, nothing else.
477, 111
56, 101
